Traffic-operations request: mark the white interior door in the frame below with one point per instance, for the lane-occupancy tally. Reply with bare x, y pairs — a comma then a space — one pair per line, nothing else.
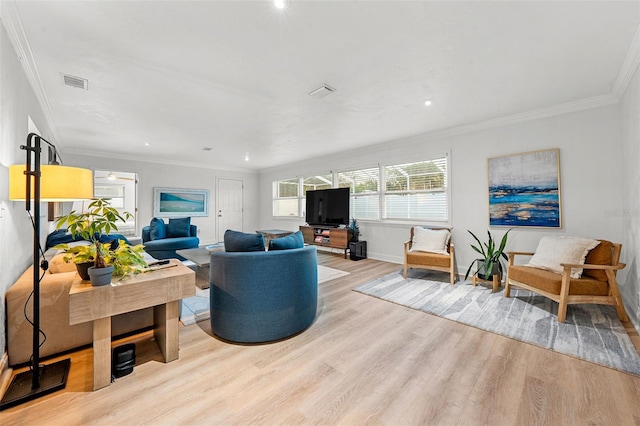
230, 211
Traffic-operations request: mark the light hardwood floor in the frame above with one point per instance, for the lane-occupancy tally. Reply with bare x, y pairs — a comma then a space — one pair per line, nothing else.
364, 361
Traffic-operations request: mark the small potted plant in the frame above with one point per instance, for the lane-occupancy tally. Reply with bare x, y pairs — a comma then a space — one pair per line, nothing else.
108, 258
354, 229
490, 264
84, 256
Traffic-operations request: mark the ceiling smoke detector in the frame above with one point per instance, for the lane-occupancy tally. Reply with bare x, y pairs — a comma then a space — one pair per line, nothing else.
321, 91
77, 82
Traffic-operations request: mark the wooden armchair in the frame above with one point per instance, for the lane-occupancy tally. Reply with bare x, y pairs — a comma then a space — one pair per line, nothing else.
597, 284
428, 260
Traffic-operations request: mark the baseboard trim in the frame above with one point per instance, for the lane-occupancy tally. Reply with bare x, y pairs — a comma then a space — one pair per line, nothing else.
633, 311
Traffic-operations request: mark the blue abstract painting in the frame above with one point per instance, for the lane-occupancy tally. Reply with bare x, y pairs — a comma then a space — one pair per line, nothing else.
178, 202
524, 189
181, 202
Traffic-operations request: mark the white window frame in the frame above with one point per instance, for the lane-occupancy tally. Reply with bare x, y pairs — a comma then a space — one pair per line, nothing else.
381, 193
416, 192
277, 198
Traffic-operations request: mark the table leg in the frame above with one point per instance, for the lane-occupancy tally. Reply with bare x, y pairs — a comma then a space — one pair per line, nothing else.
166, 329
202, 277
497, 281
101, 353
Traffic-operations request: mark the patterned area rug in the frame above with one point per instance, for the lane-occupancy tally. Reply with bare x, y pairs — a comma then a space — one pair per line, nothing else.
591, 332
196, 308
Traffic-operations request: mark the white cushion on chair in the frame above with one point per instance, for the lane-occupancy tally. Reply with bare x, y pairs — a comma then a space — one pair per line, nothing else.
552, 251
430, 240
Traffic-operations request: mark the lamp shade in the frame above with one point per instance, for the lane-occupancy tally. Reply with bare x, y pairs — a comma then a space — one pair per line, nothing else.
57, 183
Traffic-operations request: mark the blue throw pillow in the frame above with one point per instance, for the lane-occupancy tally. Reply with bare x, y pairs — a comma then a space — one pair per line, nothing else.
113, 237
179, 227
158, 230
292, 241
239, 241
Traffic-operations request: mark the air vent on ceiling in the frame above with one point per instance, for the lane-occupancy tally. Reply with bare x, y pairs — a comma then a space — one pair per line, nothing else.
77, 82
321, 91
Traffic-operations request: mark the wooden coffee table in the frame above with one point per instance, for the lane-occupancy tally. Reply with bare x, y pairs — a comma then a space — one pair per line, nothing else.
161, 289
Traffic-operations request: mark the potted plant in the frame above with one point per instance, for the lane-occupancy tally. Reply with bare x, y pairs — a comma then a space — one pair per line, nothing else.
490, 263
354, 229
83, 256
108, 258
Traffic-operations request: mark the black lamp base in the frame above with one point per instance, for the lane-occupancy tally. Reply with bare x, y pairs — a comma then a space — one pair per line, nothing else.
53, 377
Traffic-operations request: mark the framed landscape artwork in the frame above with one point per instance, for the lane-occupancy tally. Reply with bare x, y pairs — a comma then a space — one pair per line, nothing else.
524, 189
177, 202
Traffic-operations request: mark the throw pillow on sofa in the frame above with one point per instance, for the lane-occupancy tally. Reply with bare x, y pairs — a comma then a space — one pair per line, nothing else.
292, 241
178, 228
239, 241
158, 229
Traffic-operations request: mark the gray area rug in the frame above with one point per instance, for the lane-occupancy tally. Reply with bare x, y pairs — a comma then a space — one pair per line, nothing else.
196, 308
591, 332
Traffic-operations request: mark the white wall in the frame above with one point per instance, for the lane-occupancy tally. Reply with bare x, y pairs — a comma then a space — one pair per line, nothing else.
151, 175
17, 104
629, 214
591, 176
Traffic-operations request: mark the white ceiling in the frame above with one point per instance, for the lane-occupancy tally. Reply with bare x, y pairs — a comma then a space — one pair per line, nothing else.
234, 75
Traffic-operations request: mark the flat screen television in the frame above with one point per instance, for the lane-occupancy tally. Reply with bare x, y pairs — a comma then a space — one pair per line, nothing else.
329, 207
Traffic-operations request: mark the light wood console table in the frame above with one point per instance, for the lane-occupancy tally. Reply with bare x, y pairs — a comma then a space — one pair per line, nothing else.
161, 289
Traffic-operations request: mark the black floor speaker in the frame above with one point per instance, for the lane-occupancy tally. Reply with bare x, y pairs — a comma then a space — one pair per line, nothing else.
123, 360
358, 250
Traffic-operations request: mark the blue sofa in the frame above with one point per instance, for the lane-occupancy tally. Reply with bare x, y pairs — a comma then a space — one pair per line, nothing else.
260, 296
165, 248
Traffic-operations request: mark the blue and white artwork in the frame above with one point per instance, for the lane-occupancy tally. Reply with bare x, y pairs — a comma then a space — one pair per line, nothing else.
177, 202
181, 202
524, 189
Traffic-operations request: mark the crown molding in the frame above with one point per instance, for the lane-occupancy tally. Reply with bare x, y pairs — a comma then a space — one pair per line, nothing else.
629, 67
537, 114
556, 110
152, 160
15, 31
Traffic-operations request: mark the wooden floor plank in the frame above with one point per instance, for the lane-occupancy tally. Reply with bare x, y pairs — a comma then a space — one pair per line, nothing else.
363, 361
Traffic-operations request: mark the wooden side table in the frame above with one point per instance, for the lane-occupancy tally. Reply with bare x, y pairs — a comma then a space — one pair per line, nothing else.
496, 281
161, 289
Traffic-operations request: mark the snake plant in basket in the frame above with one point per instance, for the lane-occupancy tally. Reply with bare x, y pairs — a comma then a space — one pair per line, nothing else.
490, 263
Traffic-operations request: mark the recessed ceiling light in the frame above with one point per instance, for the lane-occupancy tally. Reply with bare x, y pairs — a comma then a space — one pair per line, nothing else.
246, 157
281, 4
147, 144
428, 102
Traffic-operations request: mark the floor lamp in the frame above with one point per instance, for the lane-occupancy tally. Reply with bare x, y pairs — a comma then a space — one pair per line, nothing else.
41, 183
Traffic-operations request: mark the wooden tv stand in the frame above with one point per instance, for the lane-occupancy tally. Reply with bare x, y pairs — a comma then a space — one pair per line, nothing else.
325, 236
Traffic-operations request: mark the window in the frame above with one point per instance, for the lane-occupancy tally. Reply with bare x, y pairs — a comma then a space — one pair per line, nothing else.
285, 197
410, 191
416, 191
313, 183
365, 193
